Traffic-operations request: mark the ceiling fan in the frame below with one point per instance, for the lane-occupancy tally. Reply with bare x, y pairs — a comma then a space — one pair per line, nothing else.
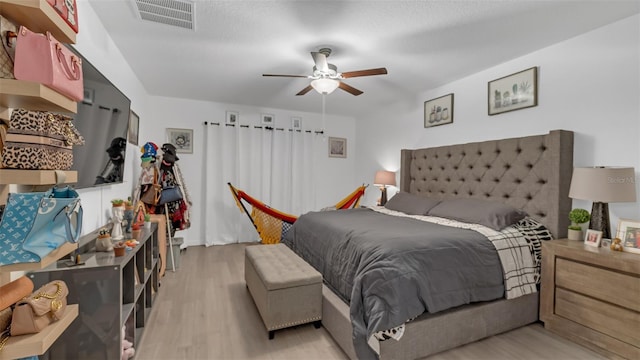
326, 77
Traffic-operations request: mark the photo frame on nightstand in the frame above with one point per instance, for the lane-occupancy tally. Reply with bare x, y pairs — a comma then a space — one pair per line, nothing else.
629, 232
593, 238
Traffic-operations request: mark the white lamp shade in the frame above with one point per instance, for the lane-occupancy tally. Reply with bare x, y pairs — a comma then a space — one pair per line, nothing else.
603, 184
385, 178
325, 86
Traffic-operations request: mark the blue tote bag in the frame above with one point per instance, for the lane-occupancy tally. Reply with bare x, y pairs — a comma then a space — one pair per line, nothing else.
35, 224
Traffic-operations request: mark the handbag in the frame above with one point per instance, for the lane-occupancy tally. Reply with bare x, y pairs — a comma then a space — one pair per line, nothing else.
44, 306
35, 224
8, 35
169, 194
43, 59
68, 11
152, 195
14, 291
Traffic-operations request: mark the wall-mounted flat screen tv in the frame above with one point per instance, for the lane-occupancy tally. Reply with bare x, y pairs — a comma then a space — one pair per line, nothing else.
103, 120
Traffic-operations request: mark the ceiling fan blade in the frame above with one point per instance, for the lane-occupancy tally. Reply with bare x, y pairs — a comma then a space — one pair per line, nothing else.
350, 89
305, 90
321, 61
368, 72
295, 76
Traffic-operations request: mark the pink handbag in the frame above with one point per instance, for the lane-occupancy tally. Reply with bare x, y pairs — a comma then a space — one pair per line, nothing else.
41, 58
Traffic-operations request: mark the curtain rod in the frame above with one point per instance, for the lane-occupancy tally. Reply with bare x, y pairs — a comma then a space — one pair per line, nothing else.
265, 127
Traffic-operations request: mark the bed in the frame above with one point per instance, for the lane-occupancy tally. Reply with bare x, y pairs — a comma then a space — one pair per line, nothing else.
530, 174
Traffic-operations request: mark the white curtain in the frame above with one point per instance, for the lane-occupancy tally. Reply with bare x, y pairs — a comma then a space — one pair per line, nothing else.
272, 165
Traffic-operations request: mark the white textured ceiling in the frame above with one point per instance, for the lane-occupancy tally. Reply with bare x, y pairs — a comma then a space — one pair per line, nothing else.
423, 44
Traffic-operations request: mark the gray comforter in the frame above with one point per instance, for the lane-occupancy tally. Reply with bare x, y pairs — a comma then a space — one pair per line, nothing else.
391, 269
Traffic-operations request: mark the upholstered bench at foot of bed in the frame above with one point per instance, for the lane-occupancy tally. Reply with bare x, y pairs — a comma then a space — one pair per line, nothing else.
286, 290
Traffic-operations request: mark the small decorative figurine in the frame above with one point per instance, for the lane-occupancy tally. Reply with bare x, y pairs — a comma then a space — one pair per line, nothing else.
616, 245
118, 216
103, 242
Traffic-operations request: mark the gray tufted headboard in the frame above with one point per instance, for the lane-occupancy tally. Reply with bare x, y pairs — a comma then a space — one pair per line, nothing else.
532, 173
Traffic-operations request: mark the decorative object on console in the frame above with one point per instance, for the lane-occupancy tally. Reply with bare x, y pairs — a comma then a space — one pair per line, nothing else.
43, 59
182, 139
593, 238
103, 241
616, 245
383, 179
44, 306
629, 234
337, 147
438, 111
128, 215
35, 224
603, 185
513, 92
577, 217
117, 210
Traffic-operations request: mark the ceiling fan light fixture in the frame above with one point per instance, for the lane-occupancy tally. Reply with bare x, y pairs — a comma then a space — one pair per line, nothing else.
324, 85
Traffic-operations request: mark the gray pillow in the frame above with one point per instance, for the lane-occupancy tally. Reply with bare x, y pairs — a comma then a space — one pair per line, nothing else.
477, 211
411, 204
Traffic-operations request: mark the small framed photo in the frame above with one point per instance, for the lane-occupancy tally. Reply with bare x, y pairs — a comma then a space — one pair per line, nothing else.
88, 96
438, 111
296, 123
629, 232
593, 237
182, 139
134, 127
337, 147
232, 118
513, 92
268, 119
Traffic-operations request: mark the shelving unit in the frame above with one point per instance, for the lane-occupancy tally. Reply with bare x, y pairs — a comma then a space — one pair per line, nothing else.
112, 292
38, 16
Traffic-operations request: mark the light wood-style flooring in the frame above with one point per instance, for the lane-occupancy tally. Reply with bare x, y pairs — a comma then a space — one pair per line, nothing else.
204, 311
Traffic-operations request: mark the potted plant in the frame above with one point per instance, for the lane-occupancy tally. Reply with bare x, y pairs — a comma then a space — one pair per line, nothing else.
147, 221
577, 217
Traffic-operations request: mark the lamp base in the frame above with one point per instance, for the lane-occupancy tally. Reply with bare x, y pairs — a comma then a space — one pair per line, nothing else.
383, 197
600, 219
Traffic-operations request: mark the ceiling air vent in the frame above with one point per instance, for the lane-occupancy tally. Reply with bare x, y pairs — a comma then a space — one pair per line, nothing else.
178, 13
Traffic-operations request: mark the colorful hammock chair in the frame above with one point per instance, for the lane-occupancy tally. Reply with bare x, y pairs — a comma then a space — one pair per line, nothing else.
273, 224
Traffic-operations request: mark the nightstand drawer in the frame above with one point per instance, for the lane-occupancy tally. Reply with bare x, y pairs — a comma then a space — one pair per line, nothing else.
606, 318
613, 287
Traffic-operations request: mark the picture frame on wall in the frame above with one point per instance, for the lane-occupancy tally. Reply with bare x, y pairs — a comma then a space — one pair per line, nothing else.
182, 139
629, 232
337, 147
232, 117
438, 111
296, 123
134, 128
593, 237
513, 92
268, 119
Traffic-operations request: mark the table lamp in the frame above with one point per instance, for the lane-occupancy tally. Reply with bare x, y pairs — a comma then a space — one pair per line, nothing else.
603, 185
383, 179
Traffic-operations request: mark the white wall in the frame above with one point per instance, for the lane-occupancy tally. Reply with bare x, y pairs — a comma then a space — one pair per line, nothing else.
589, 84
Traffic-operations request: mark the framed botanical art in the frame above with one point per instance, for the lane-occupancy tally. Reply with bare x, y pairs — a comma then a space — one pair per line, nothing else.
182, 139
629, 233
267, 119
513, 92
438, 111
134, 127
337, 147
296, 123
232, 118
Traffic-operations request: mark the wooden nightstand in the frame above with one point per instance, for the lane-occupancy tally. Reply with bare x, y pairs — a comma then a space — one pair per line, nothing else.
592, 296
